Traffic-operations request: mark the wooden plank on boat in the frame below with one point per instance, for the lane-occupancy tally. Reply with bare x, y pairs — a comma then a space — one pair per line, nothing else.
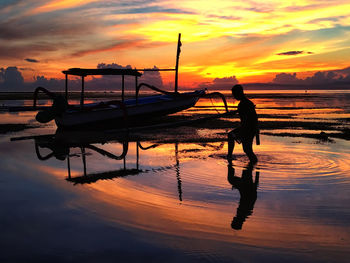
102, 71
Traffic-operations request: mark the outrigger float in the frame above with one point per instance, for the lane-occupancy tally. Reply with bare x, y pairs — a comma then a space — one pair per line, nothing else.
117, 113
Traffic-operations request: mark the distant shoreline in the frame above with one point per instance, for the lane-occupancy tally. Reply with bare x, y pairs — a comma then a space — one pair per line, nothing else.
28, 95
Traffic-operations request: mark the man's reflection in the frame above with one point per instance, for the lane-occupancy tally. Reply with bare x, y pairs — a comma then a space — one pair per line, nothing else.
248, 192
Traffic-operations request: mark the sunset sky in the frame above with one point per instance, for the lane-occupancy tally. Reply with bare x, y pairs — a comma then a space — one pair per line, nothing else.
251, 40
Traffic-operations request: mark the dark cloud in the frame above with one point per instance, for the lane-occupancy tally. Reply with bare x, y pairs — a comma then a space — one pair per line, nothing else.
23, 36
32, 60
26, 69
114, 82
345, 71
290, 53
260, 9
46, 25
294, 53
319, 78
115, 46
152, 77
120, 44
20, 51
11, 78
224, 17
220, 83
152, 9
225, 80
53, 84
8, 3
326, 19
298, 8
82, 20
286, 78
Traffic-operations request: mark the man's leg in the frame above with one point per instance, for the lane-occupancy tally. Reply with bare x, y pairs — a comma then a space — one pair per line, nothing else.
231, 143
248, 149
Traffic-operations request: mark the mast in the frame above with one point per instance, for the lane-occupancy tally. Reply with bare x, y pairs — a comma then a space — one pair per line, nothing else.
177, 60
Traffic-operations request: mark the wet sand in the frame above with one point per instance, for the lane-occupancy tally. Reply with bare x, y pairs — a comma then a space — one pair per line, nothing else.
169, 194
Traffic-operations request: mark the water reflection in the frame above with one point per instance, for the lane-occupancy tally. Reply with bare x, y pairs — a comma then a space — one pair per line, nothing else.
60, 147
147, 204
247, 188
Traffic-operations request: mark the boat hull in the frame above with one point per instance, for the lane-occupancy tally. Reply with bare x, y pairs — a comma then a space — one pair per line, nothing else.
147, 109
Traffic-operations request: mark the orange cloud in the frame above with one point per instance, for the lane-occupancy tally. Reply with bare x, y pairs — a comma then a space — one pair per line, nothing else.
59, 5
231, 38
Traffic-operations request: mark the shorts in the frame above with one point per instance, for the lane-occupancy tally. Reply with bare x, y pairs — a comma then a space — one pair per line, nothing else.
240, 135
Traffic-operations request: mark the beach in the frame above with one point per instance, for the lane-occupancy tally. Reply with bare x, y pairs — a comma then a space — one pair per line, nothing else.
168, 194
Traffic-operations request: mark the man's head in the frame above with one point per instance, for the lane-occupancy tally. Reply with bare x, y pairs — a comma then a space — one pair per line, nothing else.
237, 92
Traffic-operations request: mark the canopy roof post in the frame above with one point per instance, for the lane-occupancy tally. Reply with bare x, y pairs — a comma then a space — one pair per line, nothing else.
66, 90
68, 165
136, 95
123, 88
82, 92
137, 155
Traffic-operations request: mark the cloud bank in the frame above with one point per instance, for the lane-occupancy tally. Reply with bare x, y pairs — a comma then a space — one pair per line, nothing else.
11, 79
319, 78
220, 83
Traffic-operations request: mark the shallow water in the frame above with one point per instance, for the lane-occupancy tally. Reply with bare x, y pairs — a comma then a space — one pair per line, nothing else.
129, 200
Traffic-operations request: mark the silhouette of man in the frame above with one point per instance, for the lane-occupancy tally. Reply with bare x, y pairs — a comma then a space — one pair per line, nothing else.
247, 190
246, 132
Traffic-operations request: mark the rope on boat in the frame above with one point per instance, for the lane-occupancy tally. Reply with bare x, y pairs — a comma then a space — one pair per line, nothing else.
212, 103
152, 88
193, 95
221, 96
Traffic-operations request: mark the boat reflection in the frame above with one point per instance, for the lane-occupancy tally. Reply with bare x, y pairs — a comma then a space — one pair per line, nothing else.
60, 146
247, 188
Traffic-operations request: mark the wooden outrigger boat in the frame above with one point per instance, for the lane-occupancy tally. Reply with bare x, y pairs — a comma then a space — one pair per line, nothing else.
116, 113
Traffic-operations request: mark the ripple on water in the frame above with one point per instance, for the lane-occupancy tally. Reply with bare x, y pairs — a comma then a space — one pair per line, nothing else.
288, 167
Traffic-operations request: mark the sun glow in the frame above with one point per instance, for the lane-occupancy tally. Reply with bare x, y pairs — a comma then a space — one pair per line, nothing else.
220, 39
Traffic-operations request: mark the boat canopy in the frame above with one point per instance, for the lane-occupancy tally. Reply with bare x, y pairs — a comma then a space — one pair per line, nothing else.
83, 72
102, 71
